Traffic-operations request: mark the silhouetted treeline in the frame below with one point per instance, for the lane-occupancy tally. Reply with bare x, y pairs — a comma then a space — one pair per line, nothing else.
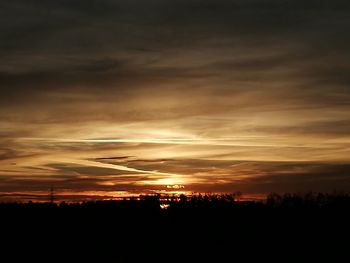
167, 204
153, 226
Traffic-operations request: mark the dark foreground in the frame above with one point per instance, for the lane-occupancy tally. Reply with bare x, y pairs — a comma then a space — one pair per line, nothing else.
215, 228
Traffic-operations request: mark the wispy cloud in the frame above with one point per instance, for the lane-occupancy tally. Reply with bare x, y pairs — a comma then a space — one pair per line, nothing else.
213, 95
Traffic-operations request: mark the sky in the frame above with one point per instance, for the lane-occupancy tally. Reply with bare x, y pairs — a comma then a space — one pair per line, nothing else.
107, 98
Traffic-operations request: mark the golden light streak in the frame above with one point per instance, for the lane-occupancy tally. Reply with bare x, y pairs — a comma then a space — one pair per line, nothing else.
238, 141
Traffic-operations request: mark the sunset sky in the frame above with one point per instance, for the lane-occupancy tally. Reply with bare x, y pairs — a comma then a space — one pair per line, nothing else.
121, 97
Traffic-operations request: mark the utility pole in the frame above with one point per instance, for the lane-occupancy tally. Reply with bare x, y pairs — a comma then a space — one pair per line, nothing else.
52, 194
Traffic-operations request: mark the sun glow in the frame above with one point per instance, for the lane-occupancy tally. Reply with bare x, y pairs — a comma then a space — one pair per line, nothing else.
175, 182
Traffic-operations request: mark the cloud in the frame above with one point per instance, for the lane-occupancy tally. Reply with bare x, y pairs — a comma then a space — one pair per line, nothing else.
172, 89
287, 177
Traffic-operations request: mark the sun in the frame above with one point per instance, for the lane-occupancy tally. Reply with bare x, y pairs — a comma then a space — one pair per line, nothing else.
170, 181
